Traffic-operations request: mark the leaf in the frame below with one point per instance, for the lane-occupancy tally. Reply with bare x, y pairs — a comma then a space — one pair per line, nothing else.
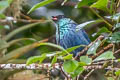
105, 56
43, 3
118, 60
87, 24
72, 49
77, 71
86, 59
82, 64
114, 17
3, 4
85, 2
10, 1
56, 46
20, 51
64, 2
36, 59
114, 38
3, 44
51, 54
110, 78
101, 4
20, 39
1, 27
102, 30
70, 66
117, 26
69, 56
117, 73
2, 16
93, 48
20, 29
54, 60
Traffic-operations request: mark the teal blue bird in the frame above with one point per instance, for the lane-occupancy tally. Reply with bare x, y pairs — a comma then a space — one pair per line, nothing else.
66, 34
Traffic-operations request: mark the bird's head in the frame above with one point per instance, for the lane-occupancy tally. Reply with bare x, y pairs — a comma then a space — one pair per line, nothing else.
62, 20
58, 17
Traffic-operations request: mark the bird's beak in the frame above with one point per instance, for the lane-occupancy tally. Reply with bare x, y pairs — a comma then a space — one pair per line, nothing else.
54, 18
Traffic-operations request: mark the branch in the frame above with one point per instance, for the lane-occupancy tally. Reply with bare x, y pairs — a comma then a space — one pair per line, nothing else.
48, 65
103, 50
101, 37
86, 77
22, 28
21, 20
118, 51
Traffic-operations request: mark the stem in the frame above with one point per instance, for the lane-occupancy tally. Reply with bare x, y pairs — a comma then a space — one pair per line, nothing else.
110, 26
22, 28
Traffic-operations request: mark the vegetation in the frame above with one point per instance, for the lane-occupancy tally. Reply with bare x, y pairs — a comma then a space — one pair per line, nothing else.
27, 36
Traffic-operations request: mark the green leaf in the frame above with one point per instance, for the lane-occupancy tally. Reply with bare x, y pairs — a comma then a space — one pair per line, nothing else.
110, 78
118, 60
20, 29
69, 56
85, 2
1, 27
54, 60
70, 66
105, 55
82, 64
93, 48
2, 16
115, 17
24, 49
114, 38
10, 1
117, 26
102, 30
71, 49
86, 59
87, 24
117, 73
56, 46
43, 3
3, 5
3, 44
77, 71
36, 59
101, 4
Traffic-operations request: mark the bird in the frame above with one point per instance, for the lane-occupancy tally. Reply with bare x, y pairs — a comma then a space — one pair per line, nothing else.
66, 34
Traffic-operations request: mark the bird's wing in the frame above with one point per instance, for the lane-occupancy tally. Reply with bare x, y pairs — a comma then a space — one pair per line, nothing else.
85, 35
79, 29
74, 38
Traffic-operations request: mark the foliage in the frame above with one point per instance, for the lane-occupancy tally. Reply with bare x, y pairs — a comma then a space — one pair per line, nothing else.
40, 5
13, 45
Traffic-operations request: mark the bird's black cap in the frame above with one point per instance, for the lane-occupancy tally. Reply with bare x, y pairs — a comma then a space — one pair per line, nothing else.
55, 18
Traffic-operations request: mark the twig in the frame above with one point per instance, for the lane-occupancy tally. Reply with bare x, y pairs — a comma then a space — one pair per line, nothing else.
103, 50
63, 71
110, 26
86, 77
118, 51
26, 17
22, 20
101, 37
103, 61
